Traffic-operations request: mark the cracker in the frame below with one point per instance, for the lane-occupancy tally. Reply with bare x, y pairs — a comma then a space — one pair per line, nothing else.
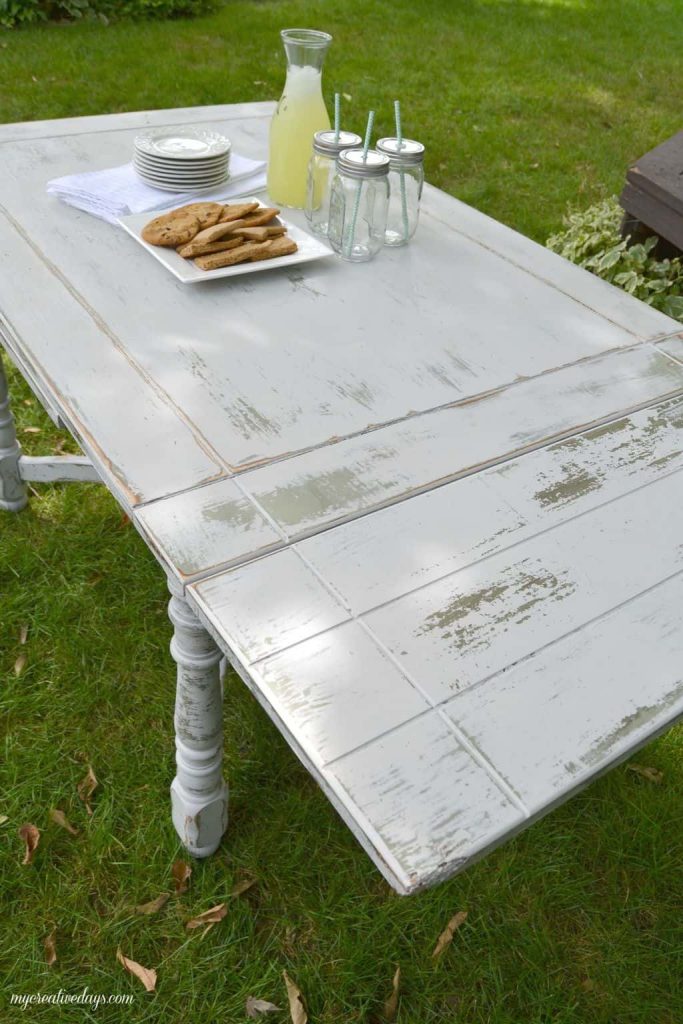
236, 211
195, 248
229, 259
282, 246
171, 229
262, 216
253, 234
206, 213
231, 225
260, 234
216, 232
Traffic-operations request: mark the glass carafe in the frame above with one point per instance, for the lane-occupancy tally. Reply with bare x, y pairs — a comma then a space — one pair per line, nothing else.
300, 113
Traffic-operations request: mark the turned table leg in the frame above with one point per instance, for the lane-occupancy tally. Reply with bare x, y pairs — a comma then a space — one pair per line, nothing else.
13, 494
199, 796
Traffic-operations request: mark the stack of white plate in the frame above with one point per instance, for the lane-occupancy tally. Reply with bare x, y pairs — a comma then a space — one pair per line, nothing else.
182, 159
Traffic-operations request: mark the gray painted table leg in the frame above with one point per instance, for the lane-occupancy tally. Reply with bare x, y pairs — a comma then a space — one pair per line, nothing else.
13, 494
199, 796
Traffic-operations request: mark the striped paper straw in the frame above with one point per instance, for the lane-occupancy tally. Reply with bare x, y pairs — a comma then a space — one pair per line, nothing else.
337, 116
399, 139
356, 204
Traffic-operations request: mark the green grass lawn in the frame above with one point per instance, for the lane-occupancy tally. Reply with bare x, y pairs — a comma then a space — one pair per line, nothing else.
525, 107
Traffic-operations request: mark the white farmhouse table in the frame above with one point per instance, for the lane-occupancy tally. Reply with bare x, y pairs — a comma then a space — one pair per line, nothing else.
427, 507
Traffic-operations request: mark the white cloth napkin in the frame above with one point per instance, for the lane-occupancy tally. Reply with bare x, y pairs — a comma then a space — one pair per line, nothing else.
117, 191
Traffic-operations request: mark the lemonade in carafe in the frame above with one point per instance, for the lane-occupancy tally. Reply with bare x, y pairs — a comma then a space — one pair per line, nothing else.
300, 113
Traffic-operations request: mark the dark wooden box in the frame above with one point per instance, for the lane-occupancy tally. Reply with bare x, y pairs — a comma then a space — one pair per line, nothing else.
653, 195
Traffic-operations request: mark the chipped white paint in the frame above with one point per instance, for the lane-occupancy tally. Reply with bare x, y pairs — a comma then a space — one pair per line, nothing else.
269, 604
673, 347
253, 365
430, 807
591, 291
578, 706
408, 532
205, 529
305, 495
141, 445
594, 467
487, 616
135, 120
416, 542
47, 469
199, 796
359, 474
13, 495
449, 590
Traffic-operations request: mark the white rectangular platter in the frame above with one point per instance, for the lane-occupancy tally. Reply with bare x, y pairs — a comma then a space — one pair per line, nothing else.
309, 248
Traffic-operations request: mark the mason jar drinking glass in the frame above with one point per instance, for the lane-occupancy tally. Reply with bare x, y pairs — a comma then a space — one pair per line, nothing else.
406, 178
358, 204
321, 171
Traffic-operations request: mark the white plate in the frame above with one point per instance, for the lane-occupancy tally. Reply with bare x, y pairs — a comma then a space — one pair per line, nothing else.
180, 160
182, 143
190, 190
181, 165
164, 172
215, 172
310, 248
184, 185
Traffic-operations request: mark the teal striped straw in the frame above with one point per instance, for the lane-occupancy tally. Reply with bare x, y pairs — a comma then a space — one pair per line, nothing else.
356, 204
399, 139
337, 116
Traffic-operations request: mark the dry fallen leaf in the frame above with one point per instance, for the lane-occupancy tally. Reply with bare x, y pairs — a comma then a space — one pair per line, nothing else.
255, 1007
23, 635
50, 948
20, 664
31, 836
3, 818
181, 876
242, 886
147, 975
391, 1005
297, 1009
60, 818
154, 905
32, 430
212, 916
86, 787
449, 931
646, 772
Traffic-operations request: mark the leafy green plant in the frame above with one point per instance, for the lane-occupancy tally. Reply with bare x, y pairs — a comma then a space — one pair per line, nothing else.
24, 12
592, 239
21, 12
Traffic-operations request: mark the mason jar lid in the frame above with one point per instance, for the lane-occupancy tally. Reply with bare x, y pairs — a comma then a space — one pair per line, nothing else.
411, 152
350, 161
323, 142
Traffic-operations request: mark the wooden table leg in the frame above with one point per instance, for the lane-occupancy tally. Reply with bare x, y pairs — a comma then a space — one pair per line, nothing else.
13, 493
199, 796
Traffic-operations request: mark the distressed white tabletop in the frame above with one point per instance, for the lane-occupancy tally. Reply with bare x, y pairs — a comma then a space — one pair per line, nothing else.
426, 505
